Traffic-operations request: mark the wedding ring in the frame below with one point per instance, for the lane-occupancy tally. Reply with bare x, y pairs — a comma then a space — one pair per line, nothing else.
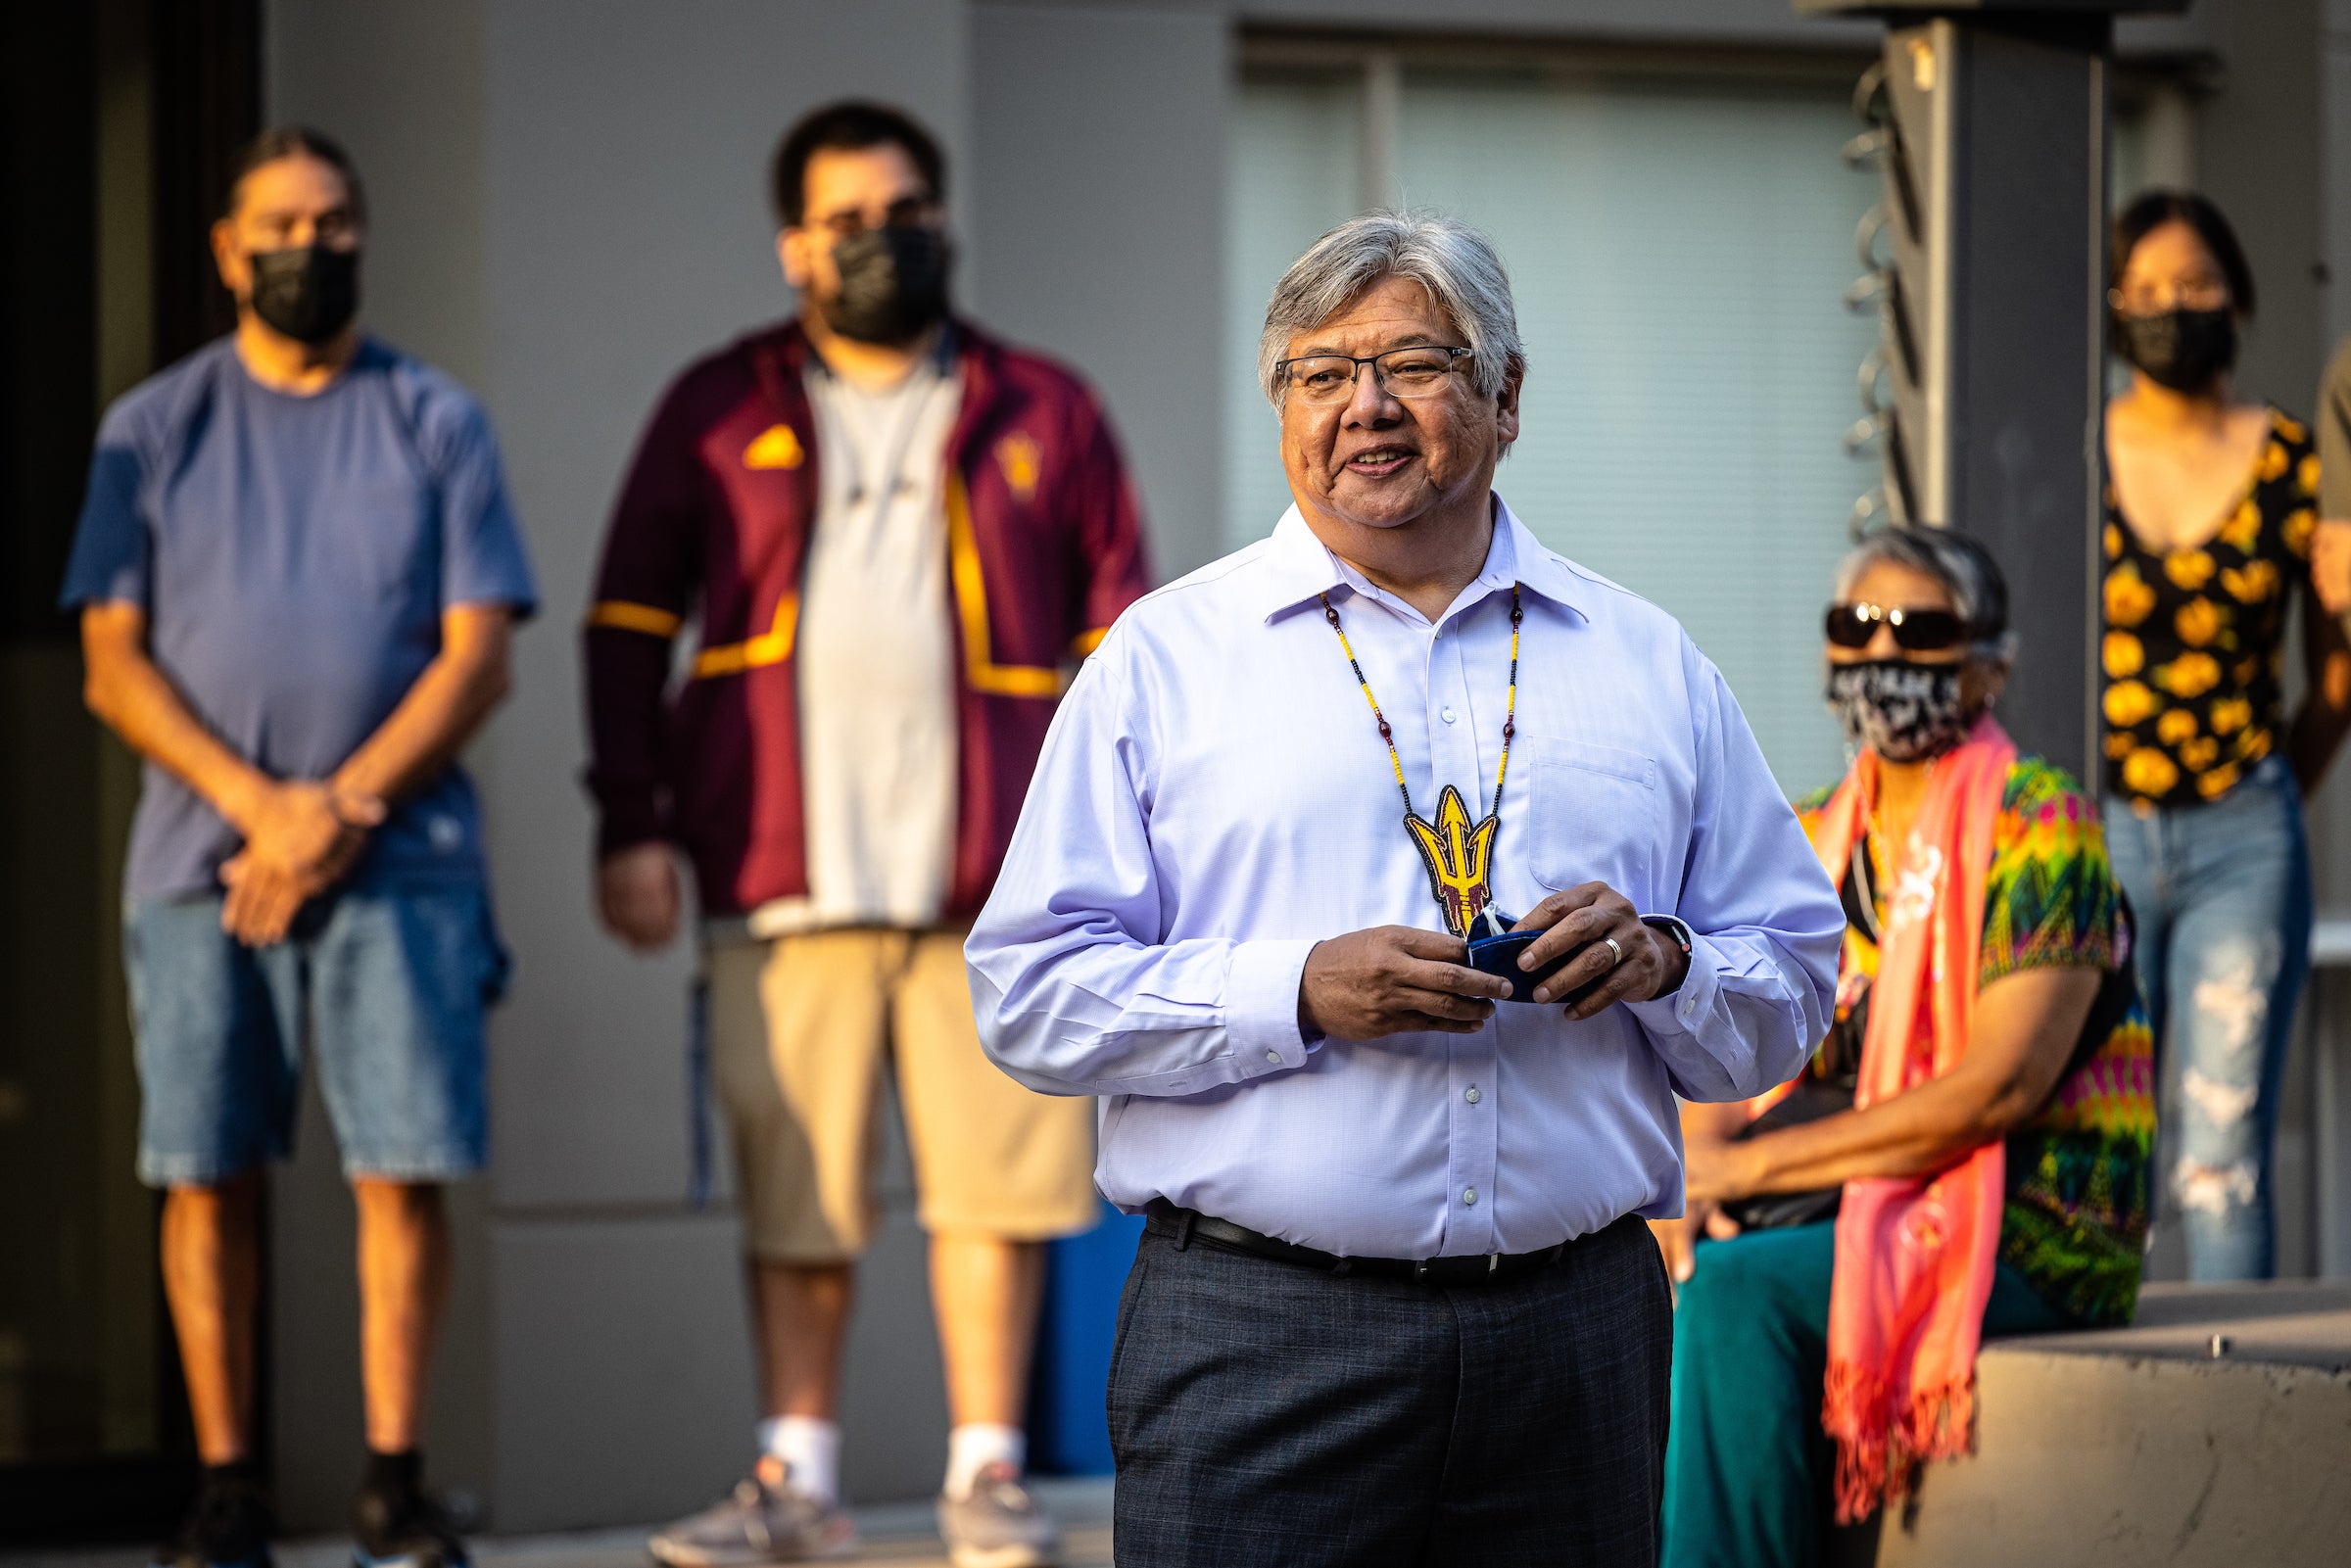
1614, 948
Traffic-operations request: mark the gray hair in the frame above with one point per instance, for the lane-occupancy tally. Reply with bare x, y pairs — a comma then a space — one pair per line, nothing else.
1965, 569
1455, 262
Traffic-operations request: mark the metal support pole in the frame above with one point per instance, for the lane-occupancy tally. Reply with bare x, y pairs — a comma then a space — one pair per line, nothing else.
1986, 261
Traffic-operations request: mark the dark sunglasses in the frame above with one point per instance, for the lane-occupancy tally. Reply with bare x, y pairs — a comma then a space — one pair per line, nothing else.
1851, 625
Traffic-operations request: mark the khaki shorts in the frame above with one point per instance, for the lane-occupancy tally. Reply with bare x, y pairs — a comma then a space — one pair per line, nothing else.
802, 1028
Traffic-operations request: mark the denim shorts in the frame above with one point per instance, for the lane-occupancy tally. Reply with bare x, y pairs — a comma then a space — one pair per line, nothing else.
390, 986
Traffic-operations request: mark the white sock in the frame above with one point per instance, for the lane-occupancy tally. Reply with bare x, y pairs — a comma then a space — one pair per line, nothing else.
974, 1446
810, 1449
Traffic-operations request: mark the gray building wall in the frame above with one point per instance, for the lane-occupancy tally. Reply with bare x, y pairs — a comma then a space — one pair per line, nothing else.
568, 203
1107, 247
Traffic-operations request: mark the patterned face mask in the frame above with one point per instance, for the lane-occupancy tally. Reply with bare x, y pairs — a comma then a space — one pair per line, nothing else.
1902, 711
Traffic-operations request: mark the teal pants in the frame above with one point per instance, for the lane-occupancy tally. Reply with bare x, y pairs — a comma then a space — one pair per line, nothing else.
1748, 1468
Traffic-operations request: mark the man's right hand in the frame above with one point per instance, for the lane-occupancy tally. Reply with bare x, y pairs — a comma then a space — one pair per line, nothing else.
636, 895
1394, 979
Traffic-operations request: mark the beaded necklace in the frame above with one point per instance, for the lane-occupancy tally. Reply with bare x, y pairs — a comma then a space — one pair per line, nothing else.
1459, 858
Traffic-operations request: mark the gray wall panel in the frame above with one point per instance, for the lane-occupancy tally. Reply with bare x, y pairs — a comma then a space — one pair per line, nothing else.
1099, 204
400, 88
628, 232
624, 1369
569, 203
624, 1376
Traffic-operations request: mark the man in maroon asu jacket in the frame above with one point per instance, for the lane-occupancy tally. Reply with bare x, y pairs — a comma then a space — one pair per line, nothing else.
897, 537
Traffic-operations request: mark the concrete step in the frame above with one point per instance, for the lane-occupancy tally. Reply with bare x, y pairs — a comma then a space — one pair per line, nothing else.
2215, 1430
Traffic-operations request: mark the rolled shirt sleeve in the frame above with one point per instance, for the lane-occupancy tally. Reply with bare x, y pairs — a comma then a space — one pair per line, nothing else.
1764, 922
483, 559
1072, 989
113, 555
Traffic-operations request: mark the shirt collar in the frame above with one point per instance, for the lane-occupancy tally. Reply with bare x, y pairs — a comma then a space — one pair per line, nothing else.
1299, 567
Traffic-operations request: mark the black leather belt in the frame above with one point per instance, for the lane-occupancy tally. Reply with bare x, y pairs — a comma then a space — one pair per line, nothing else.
1188, 1226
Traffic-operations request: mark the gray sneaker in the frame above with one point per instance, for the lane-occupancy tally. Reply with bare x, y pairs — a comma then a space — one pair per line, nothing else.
765, 1520
999, 1524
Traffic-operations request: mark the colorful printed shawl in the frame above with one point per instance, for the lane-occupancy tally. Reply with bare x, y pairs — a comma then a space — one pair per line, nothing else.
1915, 1256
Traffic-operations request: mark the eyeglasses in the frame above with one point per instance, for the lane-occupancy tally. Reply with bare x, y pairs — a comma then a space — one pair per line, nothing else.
1851, 625
1415, 373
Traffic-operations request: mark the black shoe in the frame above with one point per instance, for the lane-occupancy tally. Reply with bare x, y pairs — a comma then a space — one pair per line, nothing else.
399, 1526
228, 1525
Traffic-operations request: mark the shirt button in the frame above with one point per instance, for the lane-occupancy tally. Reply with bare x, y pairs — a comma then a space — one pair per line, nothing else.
1471, 1096
1273, 1057
1470, 1194
1446, 714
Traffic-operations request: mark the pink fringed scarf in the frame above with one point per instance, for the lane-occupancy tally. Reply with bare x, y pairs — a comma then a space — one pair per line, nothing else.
1915, 1256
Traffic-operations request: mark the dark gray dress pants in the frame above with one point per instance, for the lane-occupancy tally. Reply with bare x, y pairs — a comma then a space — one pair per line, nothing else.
1264, 1413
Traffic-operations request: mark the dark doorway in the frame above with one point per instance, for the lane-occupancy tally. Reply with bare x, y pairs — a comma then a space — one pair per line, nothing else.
118, 116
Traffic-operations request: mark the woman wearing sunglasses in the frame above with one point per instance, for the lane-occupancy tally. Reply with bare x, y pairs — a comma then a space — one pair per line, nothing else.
1967, 1152
2210, 519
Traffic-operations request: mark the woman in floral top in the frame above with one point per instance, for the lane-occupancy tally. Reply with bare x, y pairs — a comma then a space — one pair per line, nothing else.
1967, 1154
2210, 522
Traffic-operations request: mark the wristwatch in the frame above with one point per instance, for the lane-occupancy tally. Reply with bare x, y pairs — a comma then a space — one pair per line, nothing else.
1681, 939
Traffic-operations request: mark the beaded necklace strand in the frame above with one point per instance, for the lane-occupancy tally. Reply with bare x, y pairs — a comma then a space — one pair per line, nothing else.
1456, 856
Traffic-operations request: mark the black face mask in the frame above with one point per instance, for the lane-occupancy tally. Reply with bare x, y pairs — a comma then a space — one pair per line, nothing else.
1904, 712
310, 295
893, 284
2182, 349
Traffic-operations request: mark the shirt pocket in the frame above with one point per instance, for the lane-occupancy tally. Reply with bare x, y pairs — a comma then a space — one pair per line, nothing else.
1594, 817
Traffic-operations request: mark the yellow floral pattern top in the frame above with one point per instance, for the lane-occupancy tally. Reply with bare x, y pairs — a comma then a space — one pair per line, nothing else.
2195, 639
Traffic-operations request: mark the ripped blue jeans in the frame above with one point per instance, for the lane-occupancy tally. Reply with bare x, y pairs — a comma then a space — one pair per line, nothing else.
2222, 897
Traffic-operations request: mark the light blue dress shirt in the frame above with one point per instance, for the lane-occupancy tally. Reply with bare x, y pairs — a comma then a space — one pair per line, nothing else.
1213, 799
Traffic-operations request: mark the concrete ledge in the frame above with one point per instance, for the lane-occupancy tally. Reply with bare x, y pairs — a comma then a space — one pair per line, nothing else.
2141, 1445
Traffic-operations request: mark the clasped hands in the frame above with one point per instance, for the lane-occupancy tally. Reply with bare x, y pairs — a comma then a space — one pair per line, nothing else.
300, 836
1398, 980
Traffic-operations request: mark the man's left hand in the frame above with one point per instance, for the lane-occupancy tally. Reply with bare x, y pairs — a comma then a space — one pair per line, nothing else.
1651, 964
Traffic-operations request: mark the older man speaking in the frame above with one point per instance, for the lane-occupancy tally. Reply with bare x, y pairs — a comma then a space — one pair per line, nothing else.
1396, 1303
